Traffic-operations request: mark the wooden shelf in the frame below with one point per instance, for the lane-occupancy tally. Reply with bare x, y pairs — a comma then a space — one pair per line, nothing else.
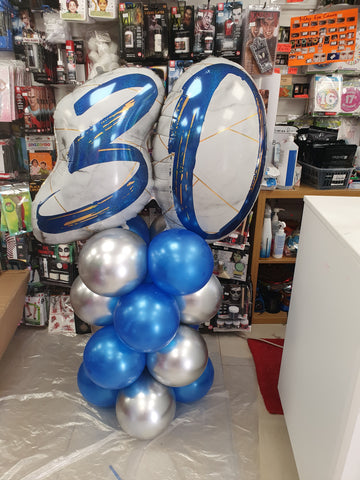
264, 195
277, 260
280, 317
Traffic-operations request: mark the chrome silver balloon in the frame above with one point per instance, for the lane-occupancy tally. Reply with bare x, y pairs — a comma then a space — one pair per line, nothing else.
145, 408
113, 262
182, 361
202, 305
90, 307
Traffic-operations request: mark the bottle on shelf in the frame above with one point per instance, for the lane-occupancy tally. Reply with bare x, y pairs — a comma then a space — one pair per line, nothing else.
266, 233
279, 241
287, 164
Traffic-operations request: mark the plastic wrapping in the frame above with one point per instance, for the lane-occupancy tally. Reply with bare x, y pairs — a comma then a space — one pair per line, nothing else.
50, 432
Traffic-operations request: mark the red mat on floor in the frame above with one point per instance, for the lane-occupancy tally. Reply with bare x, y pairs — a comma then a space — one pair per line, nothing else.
267, 360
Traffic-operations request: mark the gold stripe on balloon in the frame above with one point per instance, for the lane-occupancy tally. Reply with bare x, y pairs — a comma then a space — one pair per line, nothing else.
217, 195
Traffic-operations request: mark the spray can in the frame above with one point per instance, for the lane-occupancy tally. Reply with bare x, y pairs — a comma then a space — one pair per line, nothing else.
266, 234
279, 241
287, 164
71, 62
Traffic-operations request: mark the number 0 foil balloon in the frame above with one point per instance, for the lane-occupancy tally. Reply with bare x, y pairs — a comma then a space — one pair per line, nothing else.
103, 175
209, 149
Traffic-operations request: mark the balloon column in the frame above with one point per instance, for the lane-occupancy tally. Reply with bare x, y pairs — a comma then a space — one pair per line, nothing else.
147, 289
146, 356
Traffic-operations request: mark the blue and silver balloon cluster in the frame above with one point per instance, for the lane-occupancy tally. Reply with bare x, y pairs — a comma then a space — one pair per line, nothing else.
147, 295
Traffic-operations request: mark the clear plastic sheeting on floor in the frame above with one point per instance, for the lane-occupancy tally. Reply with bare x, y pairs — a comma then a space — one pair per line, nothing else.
48, 431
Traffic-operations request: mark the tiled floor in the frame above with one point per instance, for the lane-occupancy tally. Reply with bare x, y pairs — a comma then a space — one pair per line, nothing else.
276, 457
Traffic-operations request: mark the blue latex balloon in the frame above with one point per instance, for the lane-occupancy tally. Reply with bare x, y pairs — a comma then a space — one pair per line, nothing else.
99, 396
109, 362
147, 318
180, 262
198, 389
138, 225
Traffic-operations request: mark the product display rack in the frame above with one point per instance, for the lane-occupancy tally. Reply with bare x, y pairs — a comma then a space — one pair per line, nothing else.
256, 261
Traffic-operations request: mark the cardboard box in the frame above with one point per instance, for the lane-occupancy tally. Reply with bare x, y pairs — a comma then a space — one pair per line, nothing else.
13, 286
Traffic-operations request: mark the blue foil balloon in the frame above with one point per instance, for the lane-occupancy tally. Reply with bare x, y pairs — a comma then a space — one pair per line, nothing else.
147, 318
99, 396
198, 389
139, 226
109, 362
180, 262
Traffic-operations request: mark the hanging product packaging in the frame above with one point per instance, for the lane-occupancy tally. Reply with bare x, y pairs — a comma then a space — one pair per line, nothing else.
15, 208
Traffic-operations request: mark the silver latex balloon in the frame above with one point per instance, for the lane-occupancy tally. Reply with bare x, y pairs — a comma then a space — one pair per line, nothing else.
157, 226
90, 307
182, 361
202, 305
113, 262
145, 408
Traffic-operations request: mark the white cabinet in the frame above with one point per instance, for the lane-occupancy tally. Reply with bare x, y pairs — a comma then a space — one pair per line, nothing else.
319, 382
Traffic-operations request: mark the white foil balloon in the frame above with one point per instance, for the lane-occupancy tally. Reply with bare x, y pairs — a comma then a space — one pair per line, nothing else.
113, 262
202, 305
90, 307
209, 149
145, 408
182, 361
103, 173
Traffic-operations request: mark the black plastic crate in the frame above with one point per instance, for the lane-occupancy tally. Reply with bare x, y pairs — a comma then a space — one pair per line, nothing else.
325, 178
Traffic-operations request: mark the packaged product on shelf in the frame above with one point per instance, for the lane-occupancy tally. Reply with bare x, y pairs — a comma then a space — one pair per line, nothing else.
8, 160
323, 37
61, 315
181, 31
15, 208
175, 69
162, 72
156, 31
325, 94
42, 156
230, 262
228, 29
235, 310
260, 36
74, 10
132, 41
204, 31
350, 96
36, 307
36, 105
56, 263
6, 33
103, 9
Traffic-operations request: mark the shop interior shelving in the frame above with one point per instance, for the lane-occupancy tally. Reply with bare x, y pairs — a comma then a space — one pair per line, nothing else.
256, 261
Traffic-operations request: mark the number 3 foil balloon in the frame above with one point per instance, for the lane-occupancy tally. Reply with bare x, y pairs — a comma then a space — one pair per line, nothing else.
103, 175
209, 149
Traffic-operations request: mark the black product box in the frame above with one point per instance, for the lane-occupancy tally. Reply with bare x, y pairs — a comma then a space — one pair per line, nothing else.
56, 263
228, 29
329, 155
181, 31
156, 31
132, 41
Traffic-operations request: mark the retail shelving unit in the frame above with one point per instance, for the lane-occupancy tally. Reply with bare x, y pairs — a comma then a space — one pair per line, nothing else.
264, 195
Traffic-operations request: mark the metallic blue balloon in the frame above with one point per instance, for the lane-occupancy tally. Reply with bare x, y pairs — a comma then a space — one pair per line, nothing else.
109, 362
139, 226
99, 396
147, 318
198, 389
180, 262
